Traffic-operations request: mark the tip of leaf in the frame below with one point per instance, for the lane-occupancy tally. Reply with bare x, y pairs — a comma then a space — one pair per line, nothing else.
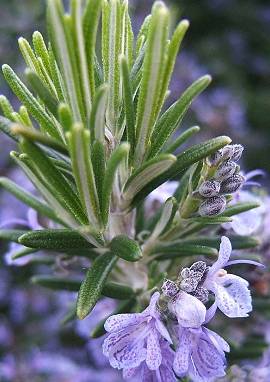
227, 140
6, 68
207, 78
184, 23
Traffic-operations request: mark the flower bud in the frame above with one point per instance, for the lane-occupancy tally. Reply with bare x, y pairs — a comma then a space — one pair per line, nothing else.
185, 273
199, 266
232, 184
225, 170
201, 294
227, 152
237, 152
209, 188
169, 288
189, 285
214, 159
213, 206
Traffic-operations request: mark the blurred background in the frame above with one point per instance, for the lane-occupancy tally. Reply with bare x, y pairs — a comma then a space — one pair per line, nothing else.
228, 39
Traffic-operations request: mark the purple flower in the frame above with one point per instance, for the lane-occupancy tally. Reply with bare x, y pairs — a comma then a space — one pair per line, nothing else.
200, 354
232, 295
135, 338
163, 374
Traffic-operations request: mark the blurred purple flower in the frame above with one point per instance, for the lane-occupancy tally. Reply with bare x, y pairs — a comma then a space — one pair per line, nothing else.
135, 338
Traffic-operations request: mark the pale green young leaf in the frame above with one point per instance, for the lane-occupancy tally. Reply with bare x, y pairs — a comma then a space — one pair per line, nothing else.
55, 181
79, 144
6, 108
5, 126
41, 49
150, 88
33, 106
119, 155
181, 139
125, 248
28, 199
79, 45
29, 56
98, 158
170, 120
42, 91
146, 174
172, 51
168, 212
65, 117
90, 26
58, 36
129, 106
97, 118
25, 116
35, 136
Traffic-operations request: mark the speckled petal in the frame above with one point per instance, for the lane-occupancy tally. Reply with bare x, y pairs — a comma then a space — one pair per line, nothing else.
181, 360
153, 357
232, 296
225, 250
217, 340
121, 321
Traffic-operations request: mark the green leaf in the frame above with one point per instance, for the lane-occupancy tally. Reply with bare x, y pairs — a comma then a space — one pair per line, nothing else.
91, 18
57, 283
238, 208
211, 220
126, 248
55, 181
42, 91
146, 174
181, 139
79, 45
7, 109
172, 53
129, 107
41, 49
170, 120
117, 291
97, 118
29, 55
23, 252
65, 116
35, 136
11, 234
98, 157
184, 160
176, 250
153, 67
32, 104
125, 307
28, 199
61, 40
79, 144
238, 242
118, 155
54, 239
168, 212
93, 284
5, 126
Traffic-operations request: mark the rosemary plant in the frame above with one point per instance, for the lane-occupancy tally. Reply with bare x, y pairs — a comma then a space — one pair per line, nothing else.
95, 137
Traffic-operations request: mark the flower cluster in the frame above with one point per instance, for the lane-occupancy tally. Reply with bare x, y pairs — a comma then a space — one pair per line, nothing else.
225, 179
141, 342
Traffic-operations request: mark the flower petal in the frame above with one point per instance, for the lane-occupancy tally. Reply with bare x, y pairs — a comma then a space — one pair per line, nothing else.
225, 250
181, 360
232, 296
153, 356
217, 340
190, 311
121, 321
161, 328
208, 362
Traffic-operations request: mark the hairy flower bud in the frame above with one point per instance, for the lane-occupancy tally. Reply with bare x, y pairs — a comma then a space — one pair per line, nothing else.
214, 159
237, 152
169, 288
209, 188
199, 266
189, 285
225, 170
202, 294
232, 184
227, 152
213, 206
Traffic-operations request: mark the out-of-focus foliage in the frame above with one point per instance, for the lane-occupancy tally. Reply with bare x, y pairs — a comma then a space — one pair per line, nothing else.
231, 39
